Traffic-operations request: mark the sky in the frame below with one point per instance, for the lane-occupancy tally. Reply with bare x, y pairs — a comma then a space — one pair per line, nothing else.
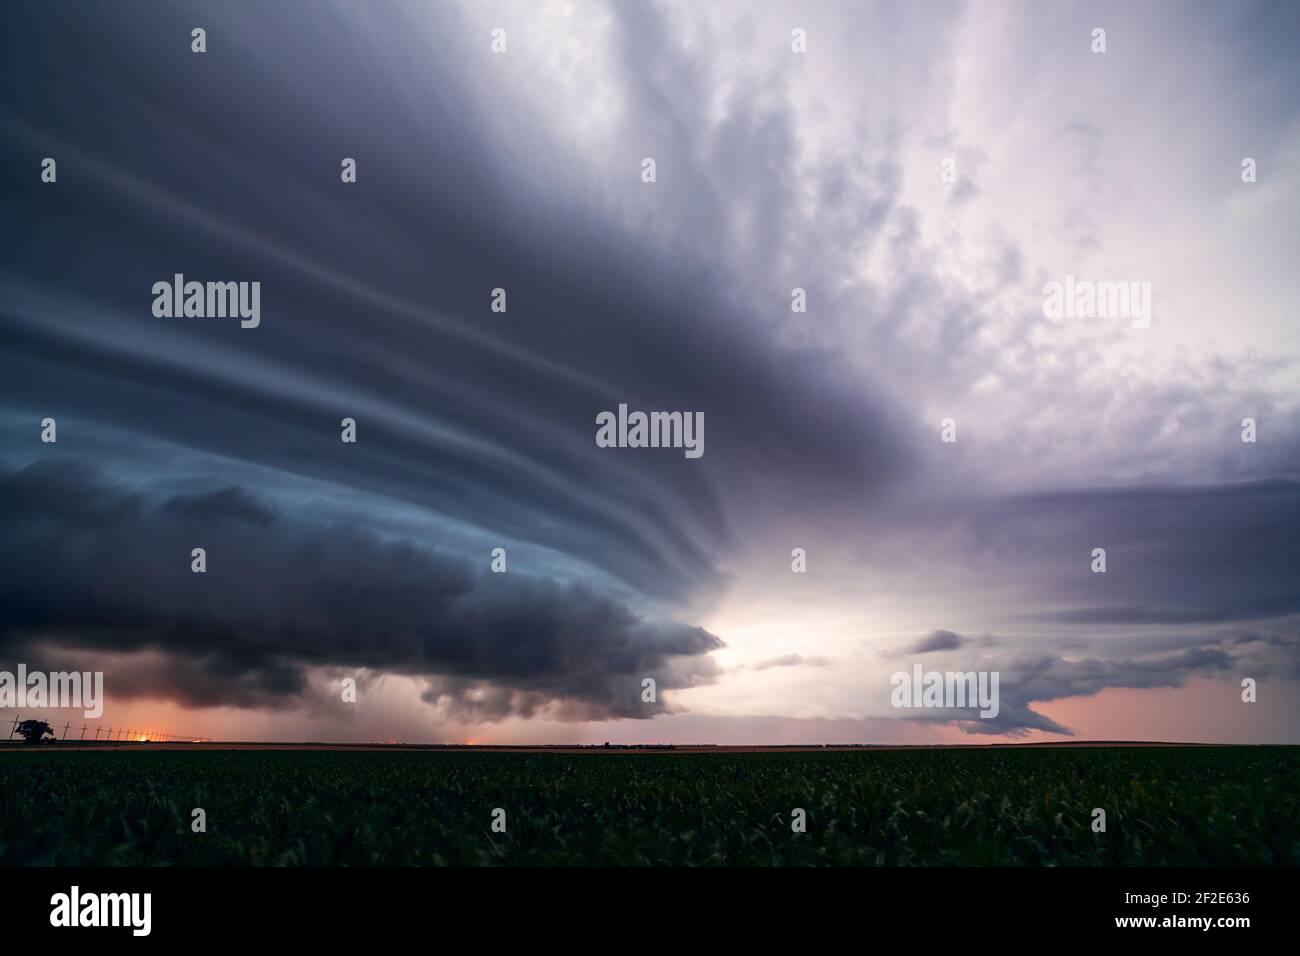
922, 172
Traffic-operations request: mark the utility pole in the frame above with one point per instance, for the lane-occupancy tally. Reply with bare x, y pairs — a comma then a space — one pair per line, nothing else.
65, 730
83, 731
15, 727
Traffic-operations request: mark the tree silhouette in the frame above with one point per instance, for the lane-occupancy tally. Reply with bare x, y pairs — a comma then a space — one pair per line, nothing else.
34, 731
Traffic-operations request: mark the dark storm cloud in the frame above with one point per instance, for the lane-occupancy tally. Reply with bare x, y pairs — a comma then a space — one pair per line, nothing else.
938, 641
1178, 558
1175, 555
375, 305
227, 503
1026, 679
100, 569
225, 166
376, 296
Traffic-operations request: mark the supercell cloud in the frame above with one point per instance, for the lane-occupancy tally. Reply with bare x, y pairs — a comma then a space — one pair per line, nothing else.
820, 171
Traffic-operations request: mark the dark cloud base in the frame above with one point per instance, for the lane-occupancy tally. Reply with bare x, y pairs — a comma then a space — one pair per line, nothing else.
101, 568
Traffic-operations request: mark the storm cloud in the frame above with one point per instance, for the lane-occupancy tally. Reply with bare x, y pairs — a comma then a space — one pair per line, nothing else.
778, 173
938, 641
104, 569
1042, 678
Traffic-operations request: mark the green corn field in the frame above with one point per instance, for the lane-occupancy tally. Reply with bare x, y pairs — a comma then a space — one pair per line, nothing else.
964, 807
